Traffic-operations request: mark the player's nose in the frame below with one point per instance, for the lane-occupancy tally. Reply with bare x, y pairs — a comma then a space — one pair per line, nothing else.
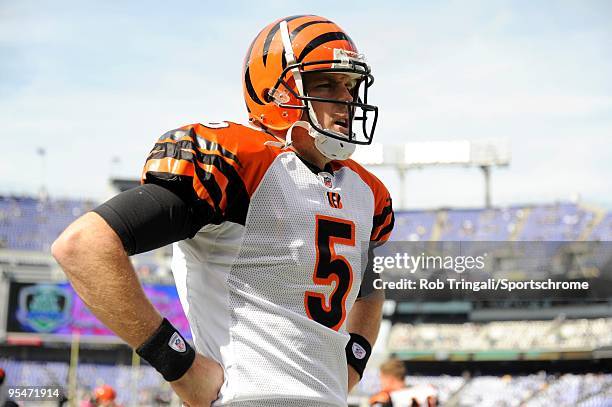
344, 93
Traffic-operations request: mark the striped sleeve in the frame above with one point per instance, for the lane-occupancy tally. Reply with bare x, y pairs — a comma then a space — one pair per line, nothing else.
199, 168
383, 220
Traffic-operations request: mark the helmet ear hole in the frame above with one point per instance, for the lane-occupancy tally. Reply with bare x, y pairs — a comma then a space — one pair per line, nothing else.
266, 95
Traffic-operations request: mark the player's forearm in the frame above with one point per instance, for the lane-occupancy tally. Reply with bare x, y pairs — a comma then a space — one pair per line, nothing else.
93, 258
364, 318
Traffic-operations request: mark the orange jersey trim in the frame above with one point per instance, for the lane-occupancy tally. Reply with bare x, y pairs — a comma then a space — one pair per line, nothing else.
382, 199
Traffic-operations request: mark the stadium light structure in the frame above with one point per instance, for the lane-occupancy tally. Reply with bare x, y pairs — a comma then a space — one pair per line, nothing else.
484, 154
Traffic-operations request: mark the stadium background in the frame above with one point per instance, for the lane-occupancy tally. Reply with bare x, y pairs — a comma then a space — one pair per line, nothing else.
496, 351
550, 350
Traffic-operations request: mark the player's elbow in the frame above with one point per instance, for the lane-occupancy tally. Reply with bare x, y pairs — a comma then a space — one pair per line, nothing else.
68, 245
82, 241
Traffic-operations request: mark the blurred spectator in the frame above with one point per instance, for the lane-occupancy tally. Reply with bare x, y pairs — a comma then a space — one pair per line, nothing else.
394, 391
102, 396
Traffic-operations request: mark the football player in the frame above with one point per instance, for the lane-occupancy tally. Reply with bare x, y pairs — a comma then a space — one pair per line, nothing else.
395, 393
271, 224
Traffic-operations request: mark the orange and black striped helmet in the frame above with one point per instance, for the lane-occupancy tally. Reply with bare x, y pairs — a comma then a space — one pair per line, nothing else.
280, 55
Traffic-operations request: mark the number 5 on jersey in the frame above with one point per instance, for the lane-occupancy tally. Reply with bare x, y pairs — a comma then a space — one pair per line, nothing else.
329, 268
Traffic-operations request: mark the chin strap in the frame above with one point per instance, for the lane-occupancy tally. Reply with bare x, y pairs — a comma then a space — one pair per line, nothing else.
329, 147
285, 144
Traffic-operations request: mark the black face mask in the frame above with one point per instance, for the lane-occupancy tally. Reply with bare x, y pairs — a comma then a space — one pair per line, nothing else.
358, 109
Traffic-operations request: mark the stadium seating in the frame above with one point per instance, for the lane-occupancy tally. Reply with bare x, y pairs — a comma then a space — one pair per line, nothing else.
33, 224
570, 389
146, 380
501, 391
580, 334
480, 224
603, 231
602, 399
555, 223
538, 390
414, 225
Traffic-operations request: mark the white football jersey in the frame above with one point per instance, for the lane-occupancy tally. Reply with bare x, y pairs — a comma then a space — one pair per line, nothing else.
420, 395
268, 283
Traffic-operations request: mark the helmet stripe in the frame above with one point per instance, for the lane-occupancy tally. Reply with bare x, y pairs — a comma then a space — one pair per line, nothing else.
309, 23
250, 89
268, 41
248, 55
322, 39
273, 32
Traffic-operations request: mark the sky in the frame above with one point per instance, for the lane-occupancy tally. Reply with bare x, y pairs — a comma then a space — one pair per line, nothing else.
95, 83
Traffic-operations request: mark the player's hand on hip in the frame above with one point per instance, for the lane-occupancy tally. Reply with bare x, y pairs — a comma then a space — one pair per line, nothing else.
200, 385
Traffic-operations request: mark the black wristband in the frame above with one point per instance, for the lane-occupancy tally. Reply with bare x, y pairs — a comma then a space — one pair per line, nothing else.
167, 351
358, 351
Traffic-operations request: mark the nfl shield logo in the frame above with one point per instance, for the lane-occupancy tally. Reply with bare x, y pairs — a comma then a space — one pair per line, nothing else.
327, 179
358, 351
327, 182
177, 343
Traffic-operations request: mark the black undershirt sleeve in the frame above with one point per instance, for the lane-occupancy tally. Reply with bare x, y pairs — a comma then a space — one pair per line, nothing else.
151, 216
